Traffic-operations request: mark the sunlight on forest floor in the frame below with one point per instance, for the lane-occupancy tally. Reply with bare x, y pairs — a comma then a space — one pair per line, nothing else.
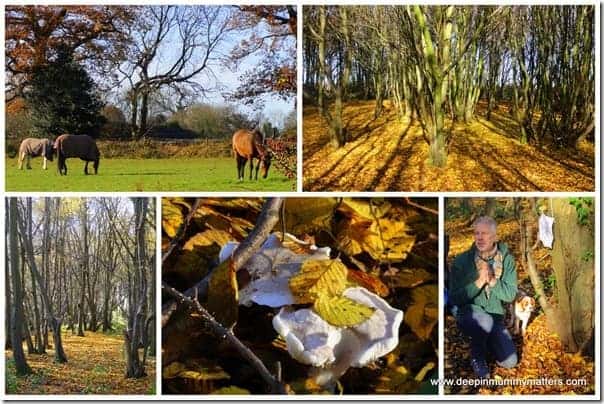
388, 154
541, 353
97, 365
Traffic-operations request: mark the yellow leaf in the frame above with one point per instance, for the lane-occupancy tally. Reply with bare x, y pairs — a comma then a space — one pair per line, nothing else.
223, 294
171, 216
367, 208
371, 282
194, 371
316, 278
422, 314
308, 215
173, 370
341, 311
409, 278
383, 239
231, 390
198, 254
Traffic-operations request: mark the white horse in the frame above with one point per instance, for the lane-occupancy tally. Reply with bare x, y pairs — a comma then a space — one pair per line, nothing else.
34, 147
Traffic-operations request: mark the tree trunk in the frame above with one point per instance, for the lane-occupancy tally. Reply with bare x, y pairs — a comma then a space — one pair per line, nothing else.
133, 336
29, 249
21, 366
8, 294
573, 264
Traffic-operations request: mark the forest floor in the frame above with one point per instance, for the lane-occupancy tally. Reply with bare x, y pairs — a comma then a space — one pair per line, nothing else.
541, 354
389, 154
96, 365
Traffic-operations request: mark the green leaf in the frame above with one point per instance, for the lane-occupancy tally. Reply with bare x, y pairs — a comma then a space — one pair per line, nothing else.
341, 311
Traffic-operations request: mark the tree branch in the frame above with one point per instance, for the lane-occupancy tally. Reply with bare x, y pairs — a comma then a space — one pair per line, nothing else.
181, 231
221, 332
267, 219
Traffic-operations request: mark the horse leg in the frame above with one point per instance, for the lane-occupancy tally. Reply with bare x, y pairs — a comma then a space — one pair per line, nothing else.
240, 166
28, 164
21, 157
257, 167
62, 165
251, 167
86, 168
44, 166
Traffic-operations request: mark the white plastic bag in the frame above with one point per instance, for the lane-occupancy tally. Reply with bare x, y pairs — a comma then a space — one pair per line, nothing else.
546, 232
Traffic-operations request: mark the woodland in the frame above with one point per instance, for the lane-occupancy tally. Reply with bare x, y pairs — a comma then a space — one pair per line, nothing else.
259, 295
80, 296
454, 98
559, 342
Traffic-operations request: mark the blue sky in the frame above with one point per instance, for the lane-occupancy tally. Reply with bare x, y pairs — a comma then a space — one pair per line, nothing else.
220, 78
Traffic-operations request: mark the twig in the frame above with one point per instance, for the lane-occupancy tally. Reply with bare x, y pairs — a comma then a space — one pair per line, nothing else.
221, 332
418, 206
264, 225
267, 219
181, 231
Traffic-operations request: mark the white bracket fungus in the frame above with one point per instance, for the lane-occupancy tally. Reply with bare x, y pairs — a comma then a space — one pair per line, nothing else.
310, 339
313, 341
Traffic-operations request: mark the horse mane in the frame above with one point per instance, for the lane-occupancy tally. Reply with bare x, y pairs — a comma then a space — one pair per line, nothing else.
260, 146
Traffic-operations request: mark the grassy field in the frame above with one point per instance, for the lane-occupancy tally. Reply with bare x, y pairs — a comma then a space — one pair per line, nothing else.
211, 174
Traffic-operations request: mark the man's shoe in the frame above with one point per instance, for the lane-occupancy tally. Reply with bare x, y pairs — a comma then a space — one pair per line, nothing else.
481, 369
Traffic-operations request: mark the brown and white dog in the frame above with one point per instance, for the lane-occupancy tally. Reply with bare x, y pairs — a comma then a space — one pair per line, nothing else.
523, 307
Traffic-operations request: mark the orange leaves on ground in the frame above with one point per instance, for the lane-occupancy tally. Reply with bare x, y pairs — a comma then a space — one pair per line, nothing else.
96, 366
542, 359
389, 154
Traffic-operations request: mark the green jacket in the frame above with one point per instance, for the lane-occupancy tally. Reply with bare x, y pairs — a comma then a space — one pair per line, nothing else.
465, 294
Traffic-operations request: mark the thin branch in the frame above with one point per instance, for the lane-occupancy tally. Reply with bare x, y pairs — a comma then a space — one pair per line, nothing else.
267, 219
221, 332
182, 230
264, 225
421, 207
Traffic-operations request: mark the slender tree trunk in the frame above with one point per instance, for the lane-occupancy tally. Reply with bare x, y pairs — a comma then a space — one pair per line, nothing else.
21, 366
54, 322
135, 368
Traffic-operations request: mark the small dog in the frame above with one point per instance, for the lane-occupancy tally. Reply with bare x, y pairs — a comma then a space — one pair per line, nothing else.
524, 305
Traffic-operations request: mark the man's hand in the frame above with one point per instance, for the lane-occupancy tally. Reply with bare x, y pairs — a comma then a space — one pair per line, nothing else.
483, 274
492, 281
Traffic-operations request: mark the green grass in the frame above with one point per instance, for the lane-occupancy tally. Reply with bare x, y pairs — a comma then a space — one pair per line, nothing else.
11, 377
211, 174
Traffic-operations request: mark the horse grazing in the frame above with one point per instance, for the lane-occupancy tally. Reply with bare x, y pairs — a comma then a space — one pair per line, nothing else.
34, 147
81, 146
249, 146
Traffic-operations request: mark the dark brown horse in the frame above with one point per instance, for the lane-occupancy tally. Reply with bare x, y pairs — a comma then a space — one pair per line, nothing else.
249, 146
81, 146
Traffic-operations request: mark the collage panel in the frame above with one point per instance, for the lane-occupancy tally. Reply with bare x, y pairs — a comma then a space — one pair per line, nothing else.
80, 296
302, 296
152, 98
437, 98
433, 233
520, 296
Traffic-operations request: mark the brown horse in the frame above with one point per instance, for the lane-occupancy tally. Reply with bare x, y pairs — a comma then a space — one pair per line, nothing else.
248, 146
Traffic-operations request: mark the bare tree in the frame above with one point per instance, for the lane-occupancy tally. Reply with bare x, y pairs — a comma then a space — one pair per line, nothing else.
199, 30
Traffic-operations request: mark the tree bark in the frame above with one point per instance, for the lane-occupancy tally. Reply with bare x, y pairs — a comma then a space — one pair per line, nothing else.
55, 323
573, 264
21, 366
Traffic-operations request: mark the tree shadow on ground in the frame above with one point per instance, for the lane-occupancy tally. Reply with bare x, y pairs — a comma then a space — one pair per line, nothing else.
393, 156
